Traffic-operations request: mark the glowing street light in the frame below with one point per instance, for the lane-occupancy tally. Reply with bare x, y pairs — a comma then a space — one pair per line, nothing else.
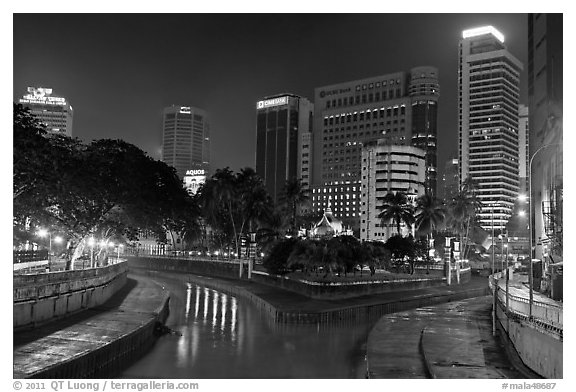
43, 233
91, 242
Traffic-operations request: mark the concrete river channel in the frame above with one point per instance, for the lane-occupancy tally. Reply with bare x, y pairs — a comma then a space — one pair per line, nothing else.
217, 336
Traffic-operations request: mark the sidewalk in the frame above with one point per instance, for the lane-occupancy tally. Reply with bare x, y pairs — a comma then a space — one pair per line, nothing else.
41, 352
518, 286
445, 341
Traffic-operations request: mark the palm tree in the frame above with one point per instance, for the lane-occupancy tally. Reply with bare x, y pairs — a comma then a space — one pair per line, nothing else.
294, 194
463, 209
254, 200
430, 215
218, 196
272, 225
397, 208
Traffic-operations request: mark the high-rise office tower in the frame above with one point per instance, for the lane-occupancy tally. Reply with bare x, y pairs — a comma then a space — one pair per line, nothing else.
546, 126
283, 142
488, 81
450, 184
52, 111
424, 91
186, 139
399, 108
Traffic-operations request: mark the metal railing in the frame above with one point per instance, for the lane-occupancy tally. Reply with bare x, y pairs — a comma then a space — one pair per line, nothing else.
543, 314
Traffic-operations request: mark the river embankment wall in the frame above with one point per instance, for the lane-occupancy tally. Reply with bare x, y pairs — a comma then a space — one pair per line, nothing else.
330, 315
43, 297
311, 289
537, 336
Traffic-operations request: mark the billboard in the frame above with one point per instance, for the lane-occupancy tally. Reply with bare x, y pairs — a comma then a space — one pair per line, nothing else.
272, 102
43, 96
193, 179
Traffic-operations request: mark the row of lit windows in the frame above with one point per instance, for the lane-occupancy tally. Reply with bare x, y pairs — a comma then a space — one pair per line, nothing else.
362, 115
358, 99
329, 190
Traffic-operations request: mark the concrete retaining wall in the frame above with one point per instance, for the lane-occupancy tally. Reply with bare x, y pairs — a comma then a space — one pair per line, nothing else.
110, 359
343, 316
317, 291
43, 297
540, 349
322, 291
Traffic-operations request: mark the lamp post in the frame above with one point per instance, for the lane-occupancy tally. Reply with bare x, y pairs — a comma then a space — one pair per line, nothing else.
91, 243
530, 229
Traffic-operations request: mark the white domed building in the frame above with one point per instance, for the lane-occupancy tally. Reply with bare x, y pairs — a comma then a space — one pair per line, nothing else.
329, 225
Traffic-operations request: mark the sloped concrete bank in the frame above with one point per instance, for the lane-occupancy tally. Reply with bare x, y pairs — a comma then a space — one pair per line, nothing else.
95, 343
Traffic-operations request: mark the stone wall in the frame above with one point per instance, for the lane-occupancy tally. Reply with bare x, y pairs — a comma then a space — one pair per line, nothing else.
43, 297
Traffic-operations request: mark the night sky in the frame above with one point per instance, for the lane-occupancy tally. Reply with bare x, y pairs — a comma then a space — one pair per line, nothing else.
119, 71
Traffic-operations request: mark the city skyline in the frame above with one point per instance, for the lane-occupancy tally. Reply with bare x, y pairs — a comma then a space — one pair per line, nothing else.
225, 69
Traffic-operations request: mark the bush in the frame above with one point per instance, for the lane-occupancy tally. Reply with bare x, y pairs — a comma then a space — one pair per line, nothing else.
277, 260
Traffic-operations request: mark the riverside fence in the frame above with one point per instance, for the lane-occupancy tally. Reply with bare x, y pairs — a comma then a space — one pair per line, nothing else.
538, 339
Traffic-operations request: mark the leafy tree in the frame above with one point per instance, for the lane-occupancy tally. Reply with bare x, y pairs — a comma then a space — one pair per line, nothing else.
397, 208
402, 249
276, 262
107, 188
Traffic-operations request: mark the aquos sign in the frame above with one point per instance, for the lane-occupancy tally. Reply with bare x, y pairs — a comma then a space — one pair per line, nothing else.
197, 172
272, 102
193, 179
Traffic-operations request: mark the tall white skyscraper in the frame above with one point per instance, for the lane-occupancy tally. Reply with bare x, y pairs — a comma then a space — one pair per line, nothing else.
488, 81
52, 111
186, 139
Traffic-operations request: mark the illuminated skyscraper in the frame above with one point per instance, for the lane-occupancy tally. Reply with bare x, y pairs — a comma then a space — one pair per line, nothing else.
399, 108
52, 111
489, 83
283, 150
186, 139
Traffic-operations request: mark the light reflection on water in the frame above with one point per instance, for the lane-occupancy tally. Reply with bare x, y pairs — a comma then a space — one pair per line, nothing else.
228, 337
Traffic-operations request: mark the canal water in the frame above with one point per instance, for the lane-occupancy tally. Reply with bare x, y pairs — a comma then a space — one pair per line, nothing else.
224, 336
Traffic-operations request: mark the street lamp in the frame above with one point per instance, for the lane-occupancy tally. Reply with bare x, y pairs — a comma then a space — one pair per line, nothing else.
43, 233
530, 229
91, 242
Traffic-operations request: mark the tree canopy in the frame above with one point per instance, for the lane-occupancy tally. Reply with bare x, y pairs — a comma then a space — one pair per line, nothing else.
106, 188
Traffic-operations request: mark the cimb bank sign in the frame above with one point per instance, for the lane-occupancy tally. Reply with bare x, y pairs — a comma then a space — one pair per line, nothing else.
272, 102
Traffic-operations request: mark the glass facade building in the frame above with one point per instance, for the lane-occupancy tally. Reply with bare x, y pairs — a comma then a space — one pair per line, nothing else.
283, 143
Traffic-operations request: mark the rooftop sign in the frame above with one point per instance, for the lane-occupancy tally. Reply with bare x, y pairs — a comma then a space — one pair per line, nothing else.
272, 102
481, 31
43, 96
